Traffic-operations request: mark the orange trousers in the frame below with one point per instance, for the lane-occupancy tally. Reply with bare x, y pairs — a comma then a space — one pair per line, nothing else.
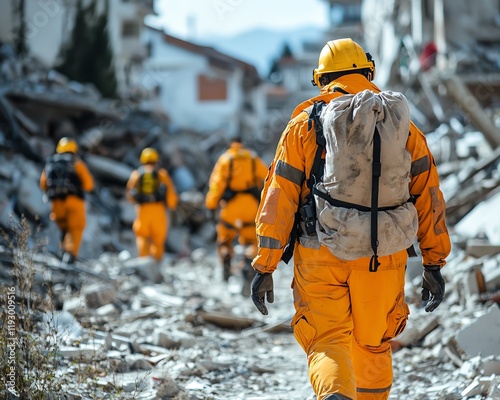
345, 318
69, 216
237, 219
151, 228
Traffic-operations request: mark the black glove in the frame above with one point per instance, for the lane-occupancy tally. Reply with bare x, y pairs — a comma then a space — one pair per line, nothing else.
262, 286
432, 287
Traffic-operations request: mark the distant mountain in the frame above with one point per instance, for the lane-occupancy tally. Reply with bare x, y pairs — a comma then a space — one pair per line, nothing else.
261, 46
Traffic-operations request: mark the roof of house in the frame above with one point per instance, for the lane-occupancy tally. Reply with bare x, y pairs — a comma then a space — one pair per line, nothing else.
215, 58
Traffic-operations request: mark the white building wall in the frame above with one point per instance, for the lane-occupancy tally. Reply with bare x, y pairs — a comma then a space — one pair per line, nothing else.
6, 20
176, 70
45, 22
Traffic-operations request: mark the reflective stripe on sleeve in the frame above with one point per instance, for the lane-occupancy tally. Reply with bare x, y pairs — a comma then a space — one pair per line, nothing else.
267, 242
419, 166
289, 172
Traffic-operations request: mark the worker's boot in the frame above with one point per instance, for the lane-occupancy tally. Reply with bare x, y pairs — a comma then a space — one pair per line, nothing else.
226, 265
68, 258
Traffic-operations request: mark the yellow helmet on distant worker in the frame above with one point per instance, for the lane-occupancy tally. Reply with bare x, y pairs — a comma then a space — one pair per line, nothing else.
149, 156
342, 55
67, 145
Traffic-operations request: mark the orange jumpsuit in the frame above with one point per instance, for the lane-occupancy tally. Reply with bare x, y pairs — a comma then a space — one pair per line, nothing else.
69, 213
237, 216
345, 315
151, 223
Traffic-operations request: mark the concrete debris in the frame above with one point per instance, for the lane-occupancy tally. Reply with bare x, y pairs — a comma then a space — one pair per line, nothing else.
481, 336
36, 112
98, 295
225, 320
419, 328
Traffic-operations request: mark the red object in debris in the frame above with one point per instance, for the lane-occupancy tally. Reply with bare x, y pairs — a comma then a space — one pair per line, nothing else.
428, 56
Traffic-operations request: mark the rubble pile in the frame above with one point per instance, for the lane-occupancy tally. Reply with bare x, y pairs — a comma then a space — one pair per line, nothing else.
193, 336
39, 106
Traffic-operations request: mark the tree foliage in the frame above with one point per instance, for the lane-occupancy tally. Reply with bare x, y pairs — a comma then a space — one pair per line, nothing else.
87, 57
275, 74
19, 40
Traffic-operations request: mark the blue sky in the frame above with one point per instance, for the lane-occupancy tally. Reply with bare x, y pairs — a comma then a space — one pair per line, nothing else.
193, 19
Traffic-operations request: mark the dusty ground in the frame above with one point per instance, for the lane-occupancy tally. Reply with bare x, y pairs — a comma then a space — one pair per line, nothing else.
273, 366
269, 365
170, 349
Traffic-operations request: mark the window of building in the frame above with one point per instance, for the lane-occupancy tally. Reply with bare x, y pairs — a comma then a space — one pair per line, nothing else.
211, 89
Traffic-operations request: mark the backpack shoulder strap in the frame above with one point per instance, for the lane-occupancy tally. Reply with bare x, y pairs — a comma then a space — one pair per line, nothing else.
316, 173
254, 174
140, 170
230, 172
339, 89
376, 171
319, 163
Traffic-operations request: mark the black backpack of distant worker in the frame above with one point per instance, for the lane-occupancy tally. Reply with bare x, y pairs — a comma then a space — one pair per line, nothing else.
62, 179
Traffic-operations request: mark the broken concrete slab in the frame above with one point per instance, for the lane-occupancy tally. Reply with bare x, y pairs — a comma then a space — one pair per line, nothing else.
481, 336
416, 330
481, 247
83, 352
107, 310
172, 338
98, 295
481, 386
145, 267
491, 274
155, 295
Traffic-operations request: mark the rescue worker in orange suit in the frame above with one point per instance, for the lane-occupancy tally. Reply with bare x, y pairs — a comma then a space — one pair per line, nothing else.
345, 315
151, 189
65, 179
234, 186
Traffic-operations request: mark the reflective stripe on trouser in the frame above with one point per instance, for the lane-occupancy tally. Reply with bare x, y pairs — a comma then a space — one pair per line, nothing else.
151, 228
345, 318
69, 215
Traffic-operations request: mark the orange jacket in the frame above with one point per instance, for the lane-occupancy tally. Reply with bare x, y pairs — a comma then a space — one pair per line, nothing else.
286, 186
172, 198
248, 171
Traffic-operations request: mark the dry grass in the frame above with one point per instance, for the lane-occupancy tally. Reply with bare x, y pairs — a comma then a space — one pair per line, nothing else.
31, 365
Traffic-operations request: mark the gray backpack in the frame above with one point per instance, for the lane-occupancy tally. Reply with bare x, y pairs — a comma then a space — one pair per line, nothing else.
360, 190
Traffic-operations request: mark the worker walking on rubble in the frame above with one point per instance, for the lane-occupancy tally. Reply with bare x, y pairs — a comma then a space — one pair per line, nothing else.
352, 184
65, 179
151, 189
234, 186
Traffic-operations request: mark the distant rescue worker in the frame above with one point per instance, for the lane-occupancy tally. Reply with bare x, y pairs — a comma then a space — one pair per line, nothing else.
352, 186
65, 179
235, 185
151, 189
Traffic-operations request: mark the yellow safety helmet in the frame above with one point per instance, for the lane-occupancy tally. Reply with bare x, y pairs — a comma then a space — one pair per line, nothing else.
149, 156
342, 55
67, 145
